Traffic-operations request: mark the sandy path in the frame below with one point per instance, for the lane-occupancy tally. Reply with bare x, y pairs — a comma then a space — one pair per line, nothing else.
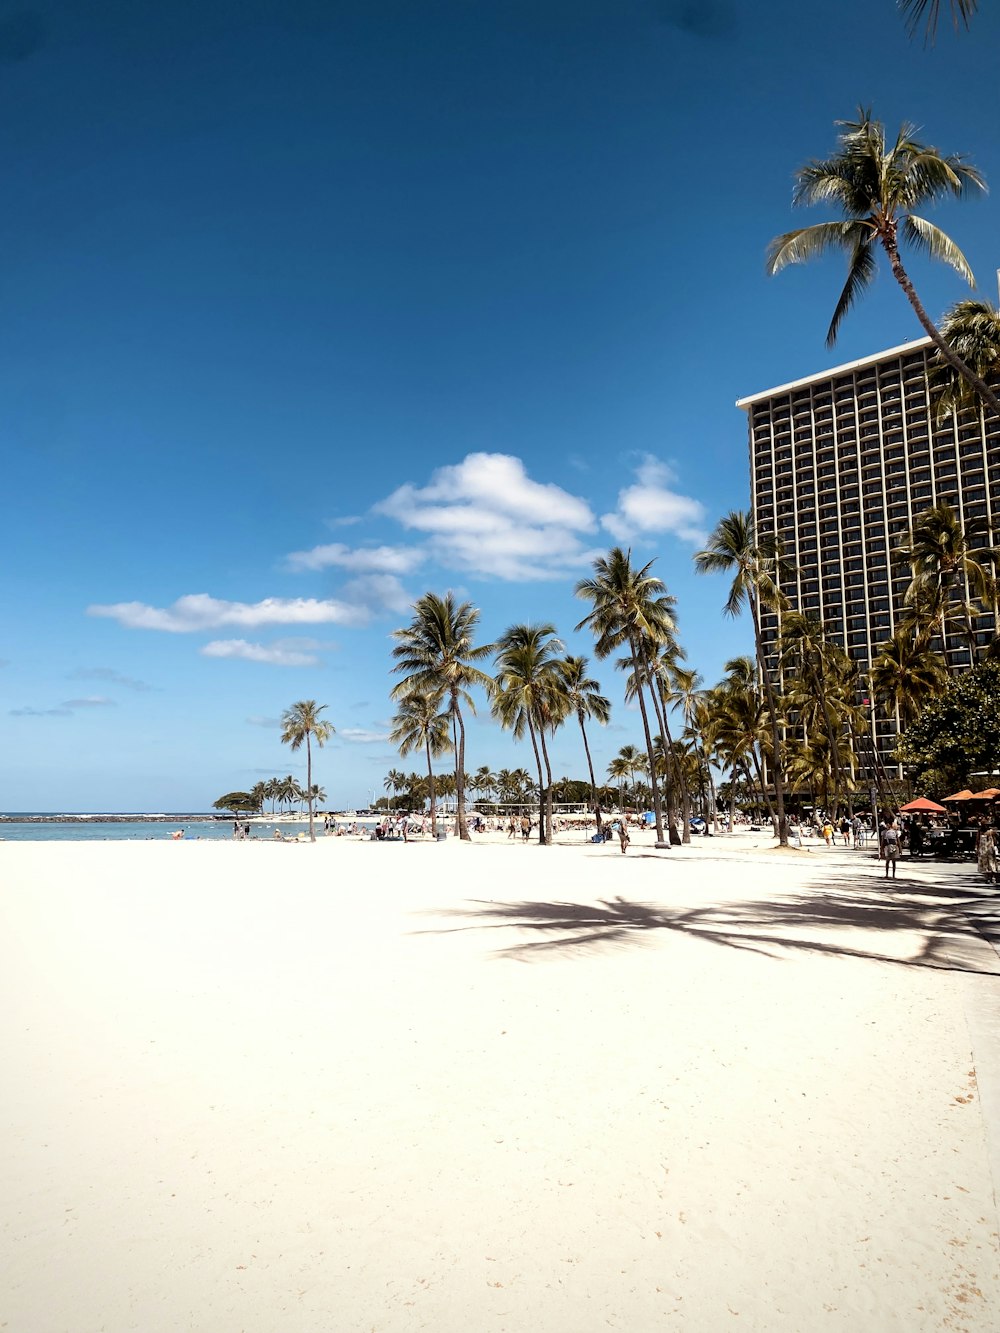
260, 1088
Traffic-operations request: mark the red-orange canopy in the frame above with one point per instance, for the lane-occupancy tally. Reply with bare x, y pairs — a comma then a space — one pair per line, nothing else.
922, 803
965, 795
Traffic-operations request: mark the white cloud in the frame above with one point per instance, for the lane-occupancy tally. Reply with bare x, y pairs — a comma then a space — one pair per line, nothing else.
111, 676
651, 506
362, 560
274, 654
377, 592
360, 736
487, 516
199, 611
66, 708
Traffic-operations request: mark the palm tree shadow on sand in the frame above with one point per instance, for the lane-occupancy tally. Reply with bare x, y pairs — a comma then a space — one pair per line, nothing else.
947, 925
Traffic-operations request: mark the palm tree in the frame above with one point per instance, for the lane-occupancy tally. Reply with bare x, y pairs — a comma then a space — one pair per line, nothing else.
972, 330
584, 698
741, 726
906, 673
436, 654
420, 725
815, 664
527, 698
300, 723
632, 608
286, 790
755, 563
690, 699
946, 560
523, 785
876, 187
394, 780
618, 771
633, 760
918, 10
483, 781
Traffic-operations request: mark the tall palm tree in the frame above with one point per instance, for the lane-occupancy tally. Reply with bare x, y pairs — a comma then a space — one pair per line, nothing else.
876, 187
302, 722
741, 726
483, 781
630, 608
972, 330
420, 724
690, 699
618, 770
436, 654
948, 562
815, 665
395, 781
755, 562
527, 697
906, 673
584, 698
632, 758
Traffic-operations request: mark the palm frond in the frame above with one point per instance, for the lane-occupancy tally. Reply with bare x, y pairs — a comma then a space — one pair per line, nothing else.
923, 235
860, 276
805, 243
929, 11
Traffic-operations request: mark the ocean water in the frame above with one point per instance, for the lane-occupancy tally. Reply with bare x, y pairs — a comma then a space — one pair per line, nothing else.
93, 828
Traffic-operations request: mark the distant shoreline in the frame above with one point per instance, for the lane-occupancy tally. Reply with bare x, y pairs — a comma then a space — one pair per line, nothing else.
278, 818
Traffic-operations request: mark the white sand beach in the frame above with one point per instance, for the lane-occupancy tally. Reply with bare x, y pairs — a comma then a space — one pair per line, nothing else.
360, 1088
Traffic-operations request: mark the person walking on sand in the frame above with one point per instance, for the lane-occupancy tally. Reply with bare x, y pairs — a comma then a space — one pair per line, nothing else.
623, 835
525, 828
890, 848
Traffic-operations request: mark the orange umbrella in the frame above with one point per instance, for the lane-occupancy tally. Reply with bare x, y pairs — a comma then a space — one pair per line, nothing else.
922, 803
965, 795
986, 795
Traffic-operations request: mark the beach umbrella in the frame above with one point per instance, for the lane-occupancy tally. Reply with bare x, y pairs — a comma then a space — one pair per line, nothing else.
922, 804
986, 795
965, 795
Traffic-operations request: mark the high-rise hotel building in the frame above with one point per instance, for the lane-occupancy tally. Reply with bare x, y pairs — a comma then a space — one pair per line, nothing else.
841, 464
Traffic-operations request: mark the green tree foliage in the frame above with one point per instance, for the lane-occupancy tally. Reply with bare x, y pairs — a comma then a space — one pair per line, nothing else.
957, 734
236, 801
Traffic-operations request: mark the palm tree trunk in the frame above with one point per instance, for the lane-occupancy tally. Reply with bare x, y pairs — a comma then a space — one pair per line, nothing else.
772, 708
638, 666
758, 768
430, 783
541, 783
309, 786
673, 768
548, 787
953, 359
463, 828
590, 766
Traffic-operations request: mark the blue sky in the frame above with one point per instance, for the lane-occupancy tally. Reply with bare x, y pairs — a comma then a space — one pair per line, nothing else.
309, 306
